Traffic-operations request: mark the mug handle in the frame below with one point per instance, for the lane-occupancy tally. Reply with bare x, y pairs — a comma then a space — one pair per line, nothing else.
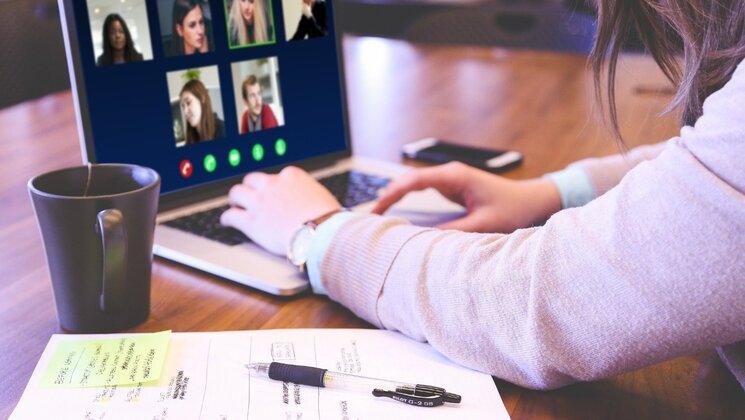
114, 244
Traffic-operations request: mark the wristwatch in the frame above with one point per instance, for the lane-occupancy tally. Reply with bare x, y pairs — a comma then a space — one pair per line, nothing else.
297, 250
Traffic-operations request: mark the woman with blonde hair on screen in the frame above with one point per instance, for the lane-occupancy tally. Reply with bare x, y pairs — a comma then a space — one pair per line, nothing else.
248, 23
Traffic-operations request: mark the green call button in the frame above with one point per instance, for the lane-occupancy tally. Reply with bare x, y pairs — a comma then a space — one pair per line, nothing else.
280, 147
257, 152
210, 163
234, 157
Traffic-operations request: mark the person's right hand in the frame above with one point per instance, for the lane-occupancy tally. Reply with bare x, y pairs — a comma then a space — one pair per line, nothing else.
306, 9
493, 203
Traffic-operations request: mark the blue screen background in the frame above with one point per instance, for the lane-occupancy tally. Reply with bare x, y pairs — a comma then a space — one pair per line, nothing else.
131, 119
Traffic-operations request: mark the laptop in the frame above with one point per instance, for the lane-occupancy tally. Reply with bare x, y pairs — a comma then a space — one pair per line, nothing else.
178, 86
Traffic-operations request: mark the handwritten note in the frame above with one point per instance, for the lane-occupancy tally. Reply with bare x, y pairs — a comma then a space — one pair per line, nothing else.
105, 362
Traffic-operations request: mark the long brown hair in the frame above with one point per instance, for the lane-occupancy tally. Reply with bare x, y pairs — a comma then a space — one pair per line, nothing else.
697, 44
205, 130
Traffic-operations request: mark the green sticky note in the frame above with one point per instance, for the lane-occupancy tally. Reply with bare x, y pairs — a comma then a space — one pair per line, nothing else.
105, 362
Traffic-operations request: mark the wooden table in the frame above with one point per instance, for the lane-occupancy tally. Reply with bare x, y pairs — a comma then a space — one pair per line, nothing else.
538, 103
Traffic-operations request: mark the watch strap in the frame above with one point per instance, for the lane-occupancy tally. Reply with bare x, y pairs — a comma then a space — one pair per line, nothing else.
312, 224
322, 218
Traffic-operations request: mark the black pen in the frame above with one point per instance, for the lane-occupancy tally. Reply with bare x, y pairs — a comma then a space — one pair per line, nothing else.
412, 394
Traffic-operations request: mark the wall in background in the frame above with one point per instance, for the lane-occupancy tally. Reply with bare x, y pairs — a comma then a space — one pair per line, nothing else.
32, 53
556, 25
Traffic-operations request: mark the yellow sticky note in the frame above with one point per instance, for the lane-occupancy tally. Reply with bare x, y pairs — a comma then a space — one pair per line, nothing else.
106, 362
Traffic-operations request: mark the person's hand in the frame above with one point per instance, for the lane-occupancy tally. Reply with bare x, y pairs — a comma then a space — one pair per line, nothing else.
493, 203
307, 11
270, 208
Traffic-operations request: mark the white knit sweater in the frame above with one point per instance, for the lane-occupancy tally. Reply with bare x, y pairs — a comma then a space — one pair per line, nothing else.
652, 269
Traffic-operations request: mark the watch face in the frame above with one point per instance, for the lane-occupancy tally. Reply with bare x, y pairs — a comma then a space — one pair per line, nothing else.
298, 252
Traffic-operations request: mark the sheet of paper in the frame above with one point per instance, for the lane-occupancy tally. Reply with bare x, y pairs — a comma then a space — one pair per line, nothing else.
105, 362
204, 378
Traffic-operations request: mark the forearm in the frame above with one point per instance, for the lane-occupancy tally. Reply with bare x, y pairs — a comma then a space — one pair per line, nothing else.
604, 173
583, 181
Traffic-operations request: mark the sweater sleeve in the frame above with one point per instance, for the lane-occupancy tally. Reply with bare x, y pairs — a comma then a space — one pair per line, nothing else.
606, 172
575, 188
585, 180
649, 271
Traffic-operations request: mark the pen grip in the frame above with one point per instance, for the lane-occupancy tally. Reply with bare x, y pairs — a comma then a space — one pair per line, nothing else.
303, 375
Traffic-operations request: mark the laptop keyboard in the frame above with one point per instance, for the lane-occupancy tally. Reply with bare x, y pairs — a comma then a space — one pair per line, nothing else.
350, 188
207, 224
353, 188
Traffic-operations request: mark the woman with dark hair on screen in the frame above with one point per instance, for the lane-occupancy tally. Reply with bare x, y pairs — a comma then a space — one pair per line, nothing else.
609, 265
247, 23
190, 32
202, 123
118, 46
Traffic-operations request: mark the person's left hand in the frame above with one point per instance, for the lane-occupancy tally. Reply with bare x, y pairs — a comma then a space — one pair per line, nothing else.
270, 208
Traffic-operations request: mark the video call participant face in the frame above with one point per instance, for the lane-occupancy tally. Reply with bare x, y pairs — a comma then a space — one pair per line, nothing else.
117, 43
196, 107
191, 108
252, 98
247, 11
188, 21
247, 23
117, 36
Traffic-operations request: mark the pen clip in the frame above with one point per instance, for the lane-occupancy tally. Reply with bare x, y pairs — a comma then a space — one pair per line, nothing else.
419, 395
415, 400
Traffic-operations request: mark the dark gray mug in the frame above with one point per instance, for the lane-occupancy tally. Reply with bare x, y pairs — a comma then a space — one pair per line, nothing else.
97, 225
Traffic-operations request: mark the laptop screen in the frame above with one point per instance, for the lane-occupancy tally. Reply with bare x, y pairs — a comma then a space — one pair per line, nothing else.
204, 90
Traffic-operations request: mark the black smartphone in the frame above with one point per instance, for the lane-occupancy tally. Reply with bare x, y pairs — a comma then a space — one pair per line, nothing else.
435, 150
